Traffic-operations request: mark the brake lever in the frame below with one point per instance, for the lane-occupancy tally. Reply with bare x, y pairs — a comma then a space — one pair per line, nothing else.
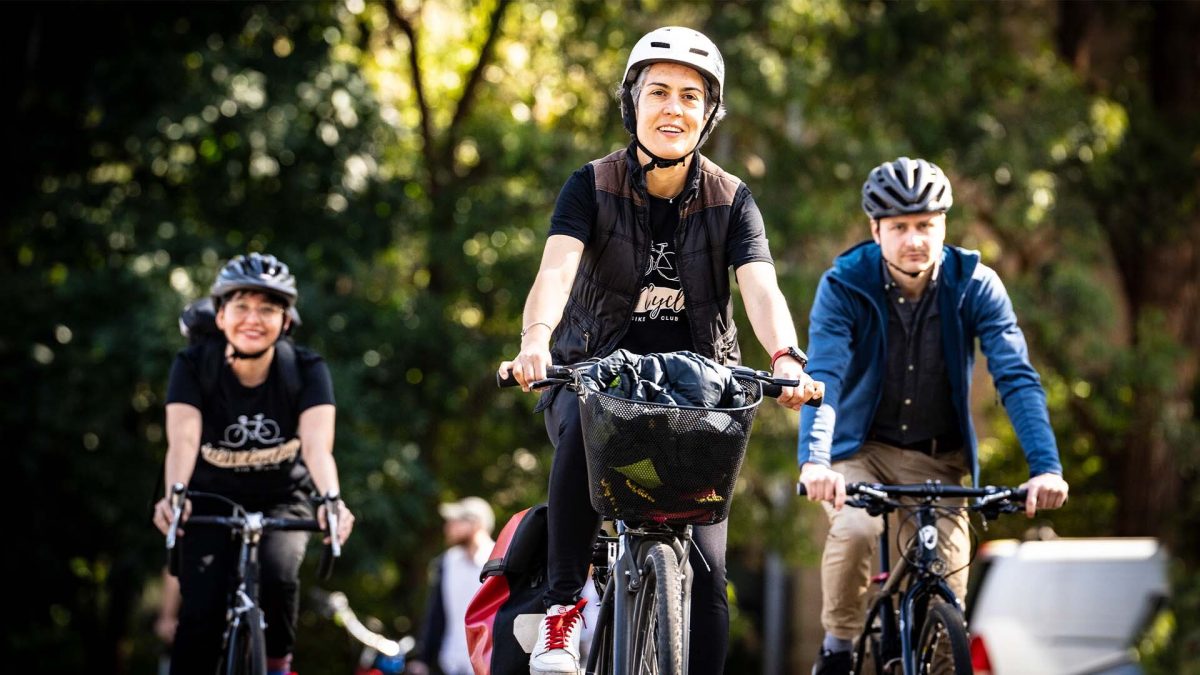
332, 498
176, 502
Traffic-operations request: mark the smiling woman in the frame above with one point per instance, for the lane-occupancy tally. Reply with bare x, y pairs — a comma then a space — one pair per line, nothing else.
610, 279
249, 416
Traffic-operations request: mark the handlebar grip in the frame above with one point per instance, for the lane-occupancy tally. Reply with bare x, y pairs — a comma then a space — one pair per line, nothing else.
552, 373
774, 390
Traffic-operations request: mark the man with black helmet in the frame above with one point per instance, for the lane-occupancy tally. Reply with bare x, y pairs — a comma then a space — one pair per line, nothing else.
892, 333
638, 258
235, 429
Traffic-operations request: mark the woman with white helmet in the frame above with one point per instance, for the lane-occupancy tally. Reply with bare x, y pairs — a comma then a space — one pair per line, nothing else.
638, 258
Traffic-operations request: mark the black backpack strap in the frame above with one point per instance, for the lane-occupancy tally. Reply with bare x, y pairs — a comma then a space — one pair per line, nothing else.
212, 358
289, 370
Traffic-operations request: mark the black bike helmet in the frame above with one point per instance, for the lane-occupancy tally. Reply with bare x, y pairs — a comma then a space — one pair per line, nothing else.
255, 272
906, 186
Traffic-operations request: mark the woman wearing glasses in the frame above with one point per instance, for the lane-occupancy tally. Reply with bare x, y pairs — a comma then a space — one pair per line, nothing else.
251, 418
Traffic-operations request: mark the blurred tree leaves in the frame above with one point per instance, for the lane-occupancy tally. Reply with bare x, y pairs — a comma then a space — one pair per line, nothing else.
403, 157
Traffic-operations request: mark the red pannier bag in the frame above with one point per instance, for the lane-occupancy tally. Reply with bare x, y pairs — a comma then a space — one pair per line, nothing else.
503, 617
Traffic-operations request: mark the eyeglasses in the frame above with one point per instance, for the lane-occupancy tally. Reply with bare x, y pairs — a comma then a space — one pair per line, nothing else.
265, 313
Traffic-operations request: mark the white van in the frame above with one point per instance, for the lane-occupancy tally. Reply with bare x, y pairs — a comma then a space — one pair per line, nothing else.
1064, 606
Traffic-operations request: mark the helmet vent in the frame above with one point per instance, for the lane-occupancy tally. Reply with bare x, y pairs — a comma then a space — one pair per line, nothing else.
701, 52
661, 45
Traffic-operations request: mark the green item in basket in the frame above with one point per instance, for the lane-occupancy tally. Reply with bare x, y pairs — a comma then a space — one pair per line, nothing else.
642, 473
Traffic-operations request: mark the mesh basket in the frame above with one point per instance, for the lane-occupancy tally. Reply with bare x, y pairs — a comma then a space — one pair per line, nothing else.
664, 463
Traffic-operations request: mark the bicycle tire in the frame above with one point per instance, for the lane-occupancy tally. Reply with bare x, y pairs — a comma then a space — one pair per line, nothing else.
600, 658
658, 616
944, 622
870, 659
600, 653
246, 649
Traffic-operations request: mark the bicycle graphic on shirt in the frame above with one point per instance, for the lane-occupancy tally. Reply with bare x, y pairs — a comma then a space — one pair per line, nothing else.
265, 431
662, 261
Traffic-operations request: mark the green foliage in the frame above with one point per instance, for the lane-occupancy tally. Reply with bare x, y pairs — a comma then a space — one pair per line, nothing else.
415, 225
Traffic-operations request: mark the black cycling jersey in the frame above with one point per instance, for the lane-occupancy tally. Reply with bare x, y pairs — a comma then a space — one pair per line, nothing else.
248, 444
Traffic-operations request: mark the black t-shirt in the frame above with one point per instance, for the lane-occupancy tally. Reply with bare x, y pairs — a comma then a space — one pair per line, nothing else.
660, 319
248, 443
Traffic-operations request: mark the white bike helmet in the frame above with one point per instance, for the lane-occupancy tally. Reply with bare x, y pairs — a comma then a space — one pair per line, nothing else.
674, 44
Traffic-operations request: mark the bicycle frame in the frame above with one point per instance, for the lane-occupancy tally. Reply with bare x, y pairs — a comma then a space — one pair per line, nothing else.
246, 592
920, 575
914, 594
250, 526
622, 579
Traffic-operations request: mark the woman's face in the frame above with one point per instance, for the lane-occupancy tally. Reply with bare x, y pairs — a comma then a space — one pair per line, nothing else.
251, 322
670, 110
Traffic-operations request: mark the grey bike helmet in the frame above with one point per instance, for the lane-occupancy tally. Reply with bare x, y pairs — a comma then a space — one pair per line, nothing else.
906, 186
255, 272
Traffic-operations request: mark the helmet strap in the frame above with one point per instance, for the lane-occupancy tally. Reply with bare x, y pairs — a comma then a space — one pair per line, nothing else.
249, 356
657, 162
904, 272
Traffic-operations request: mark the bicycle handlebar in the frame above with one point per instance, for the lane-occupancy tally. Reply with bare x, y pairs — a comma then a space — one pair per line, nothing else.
255, 521
771, 386
991, 500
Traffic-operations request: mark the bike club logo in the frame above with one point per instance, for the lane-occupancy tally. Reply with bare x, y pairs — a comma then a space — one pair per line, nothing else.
660, 302
263, 440
258, 429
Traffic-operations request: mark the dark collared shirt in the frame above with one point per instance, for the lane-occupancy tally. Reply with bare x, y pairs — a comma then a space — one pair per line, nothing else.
916, 404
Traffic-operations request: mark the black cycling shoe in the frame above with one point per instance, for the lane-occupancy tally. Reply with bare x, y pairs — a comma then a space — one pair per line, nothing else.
833, 663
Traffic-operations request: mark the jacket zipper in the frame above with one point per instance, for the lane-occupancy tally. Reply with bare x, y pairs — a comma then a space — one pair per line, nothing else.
587, 337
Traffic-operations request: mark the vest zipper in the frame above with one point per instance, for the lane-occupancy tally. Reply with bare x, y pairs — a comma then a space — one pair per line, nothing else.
587, 338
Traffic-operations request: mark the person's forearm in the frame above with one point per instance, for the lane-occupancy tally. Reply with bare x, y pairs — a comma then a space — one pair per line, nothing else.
323, 469
766, 307
544, 306
183, 444
551, 288
316, 447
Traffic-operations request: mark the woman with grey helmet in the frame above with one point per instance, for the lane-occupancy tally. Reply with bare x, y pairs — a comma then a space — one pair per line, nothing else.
893, 333
638, 258
235, 428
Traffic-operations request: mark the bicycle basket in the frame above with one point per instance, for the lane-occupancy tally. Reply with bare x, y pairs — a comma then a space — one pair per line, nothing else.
664, 463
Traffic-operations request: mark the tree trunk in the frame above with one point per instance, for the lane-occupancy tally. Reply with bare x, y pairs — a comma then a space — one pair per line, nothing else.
1122, 50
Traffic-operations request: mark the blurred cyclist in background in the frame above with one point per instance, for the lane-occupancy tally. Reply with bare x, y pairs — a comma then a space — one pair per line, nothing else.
249, 417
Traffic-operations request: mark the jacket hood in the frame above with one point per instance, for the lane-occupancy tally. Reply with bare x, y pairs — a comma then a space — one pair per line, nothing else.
861, 266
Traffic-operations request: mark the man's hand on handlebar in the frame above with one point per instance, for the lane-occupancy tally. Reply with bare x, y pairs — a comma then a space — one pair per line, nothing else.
1044, 491
823, 484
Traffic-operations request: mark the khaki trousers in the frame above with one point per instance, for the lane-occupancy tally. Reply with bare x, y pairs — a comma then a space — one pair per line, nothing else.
850, 548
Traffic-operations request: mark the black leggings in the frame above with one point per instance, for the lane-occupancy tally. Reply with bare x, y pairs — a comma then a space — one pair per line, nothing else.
573, 526
206, 577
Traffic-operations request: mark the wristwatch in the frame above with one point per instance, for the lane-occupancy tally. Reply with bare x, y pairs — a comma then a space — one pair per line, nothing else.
793, 352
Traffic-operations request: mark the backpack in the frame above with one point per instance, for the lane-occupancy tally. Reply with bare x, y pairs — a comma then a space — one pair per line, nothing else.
198, 323
502, 619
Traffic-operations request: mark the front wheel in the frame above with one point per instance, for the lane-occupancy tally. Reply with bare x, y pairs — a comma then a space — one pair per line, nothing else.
943, 646
246, 648
658, 616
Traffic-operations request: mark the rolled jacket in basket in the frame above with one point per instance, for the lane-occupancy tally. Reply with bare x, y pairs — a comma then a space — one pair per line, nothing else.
665, 435
672, 378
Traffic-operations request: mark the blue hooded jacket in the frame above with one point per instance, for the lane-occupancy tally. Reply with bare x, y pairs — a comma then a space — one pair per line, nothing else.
847, 351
